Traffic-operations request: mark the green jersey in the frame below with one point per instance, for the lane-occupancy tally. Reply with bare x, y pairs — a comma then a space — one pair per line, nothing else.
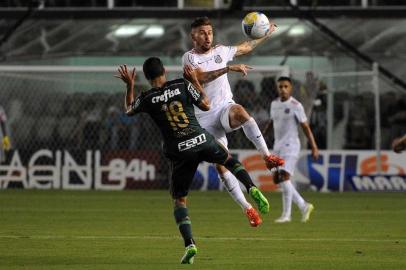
171, 108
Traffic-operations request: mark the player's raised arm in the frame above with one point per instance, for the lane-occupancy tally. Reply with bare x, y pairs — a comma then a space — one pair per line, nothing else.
128, 78
208, 76
249, 45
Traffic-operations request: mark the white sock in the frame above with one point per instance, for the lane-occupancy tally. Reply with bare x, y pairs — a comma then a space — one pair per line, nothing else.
296, 197
231, 184
253, 133
287, 194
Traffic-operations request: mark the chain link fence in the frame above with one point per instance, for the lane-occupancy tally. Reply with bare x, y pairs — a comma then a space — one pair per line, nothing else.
72, 120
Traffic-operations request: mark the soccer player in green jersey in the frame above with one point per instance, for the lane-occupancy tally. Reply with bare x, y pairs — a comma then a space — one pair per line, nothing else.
186, 143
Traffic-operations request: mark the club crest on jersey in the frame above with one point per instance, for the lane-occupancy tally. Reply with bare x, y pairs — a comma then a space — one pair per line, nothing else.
287, 110
166, 95
218, 59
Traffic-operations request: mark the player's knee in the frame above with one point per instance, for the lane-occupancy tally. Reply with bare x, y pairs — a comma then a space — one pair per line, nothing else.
239, 114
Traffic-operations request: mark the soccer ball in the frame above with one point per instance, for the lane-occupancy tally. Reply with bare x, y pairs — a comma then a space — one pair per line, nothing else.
255, 25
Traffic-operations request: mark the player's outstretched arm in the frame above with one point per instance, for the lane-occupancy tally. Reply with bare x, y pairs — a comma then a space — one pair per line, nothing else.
249, 45
208, 76
309, 134
128, 78
399, 144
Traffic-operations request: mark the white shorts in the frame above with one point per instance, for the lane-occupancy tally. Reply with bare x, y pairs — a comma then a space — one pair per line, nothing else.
217, 122
290, 153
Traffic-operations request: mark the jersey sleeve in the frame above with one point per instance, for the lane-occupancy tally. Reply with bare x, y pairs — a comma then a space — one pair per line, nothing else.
189, 59
193, 92
300, 114
137, 106
229, 52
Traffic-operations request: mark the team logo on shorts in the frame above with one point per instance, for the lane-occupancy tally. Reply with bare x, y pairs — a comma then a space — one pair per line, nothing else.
218, 59
287, 110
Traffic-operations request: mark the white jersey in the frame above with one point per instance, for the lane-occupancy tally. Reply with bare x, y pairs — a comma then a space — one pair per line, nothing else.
218, 90
286, 117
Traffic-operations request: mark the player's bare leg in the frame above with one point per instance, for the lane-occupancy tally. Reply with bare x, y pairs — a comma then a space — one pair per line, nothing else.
184, 224
232, 186
238, 116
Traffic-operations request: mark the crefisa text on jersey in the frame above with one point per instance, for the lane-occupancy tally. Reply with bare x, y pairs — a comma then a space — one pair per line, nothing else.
166, 95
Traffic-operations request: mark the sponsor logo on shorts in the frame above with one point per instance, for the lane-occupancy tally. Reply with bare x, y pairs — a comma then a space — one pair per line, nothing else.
193, 142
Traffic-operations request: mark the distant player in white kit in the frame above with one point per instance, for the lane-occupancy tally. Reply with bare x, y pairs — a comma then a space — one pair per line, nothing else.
286, 115
225, 115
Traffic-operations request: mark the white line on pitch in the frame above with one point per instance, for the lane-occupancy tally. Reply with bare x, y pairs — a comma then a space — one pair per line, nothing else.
132, 237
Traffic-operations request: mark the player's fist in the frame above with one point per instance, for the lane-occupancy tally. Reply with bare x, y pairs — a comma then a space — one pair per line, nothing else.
190, 74
6, 143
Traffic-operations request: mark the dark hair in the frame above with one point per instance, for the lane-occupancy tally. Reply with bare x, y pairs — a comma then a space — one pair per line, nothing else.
153, 68
199, 21
284, 78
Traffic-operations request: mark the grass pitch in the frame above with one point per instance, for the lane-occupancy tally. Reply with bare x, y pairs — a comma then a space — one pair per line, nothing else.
136, 230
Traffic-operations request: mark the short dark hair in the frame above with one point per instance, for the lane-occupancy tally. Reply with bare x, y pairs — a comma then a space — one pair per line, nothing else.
199, 21
153, 68
284, 78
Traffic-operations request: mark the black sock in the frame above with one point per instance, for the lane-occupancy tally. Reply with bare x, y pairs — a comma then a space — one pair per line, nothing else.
184, 224
236, 168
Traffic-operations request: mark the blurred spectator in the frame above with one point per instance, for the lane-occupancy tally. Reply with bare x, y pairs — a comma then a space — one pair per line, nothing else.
359, 132
398, 119
4, 135
387, 110
268, 92
90, 126
318, 121
309, 91
244, 94
123, 131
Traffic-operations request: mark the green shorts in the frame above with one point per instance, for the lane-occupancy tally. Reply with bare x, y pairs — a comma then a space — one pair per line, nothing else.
184, 164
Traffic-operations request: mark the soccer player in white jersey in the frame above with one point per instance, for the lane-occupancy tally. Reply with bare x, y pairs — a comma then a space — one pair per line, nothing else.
286, 115
225, 115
